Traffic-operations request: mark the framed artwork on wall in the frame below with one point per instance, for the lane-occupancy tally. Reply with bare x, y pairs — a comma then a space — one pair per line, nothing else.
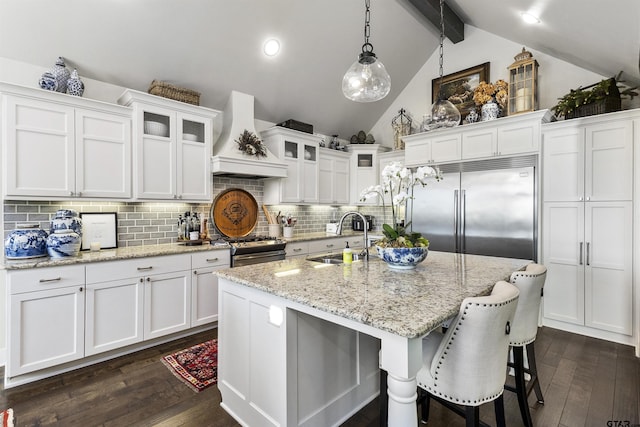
458, 87
99, 228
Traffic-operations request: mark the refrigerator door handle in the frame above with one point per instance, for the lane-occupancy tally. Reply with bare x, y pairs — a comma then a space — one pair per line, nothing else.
463, 208
580, 262
455, 220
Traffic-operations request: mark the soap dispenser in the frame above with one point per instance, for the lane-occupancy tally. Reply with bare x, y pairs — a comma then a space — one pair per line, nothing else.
347, 255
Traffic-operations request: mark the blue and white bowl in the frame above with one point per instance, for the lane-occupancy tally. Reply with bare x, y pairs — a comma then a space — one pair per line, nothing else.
66, 219
403, 258
27, 241
63, 244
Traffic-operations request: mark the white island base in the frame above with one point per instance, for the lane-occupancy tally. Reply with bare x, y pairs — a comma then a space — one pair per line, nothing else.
282, 367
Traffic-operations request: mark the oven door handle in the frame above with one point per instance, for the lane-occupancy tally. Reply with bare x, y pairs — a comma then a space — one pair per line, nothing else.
269, 254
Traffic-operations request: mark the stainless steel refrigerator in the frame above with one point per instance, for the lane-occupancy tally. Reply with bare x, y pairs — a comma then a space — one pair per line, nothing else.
480, 207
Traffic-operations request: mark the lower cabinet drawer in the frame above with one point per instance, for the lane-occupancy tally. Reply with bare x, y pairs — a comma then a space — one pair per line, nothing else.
39, 279
116, 270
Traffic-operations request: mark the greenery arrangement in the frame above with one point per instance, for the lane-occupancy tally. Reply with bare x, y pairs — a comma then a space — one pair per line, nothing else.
485, 92
249, 143
399, 181
594, 93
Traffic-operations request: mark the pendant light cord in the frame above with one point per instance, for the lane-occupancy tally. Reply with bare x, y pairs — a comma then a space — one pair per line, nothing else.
441, 46
366, 47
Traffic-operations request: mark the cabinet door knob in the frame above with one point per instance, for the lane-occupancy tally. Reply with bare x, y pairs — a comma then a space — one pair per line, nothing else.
71, 193
81, 289
148, 279
79, 194
141, 280
588, 198
195, 273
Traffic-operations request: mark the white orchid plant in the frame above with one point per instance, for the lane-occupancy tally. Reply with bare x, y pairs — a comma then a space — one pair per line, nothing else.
398, 182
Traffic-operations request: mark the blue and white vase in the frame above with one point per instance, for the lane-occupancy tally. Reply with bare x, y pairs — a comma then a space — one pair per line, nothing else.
27, 241
66, 219
56, 78
63, 244
75, 86
490, 111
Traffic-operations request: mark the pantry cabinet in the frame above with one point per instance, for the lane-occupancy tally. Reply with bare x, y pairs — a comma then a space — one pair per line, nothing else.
427, 149
333, 182
587, 221
59, 146
172, 155
45, 311
300, 152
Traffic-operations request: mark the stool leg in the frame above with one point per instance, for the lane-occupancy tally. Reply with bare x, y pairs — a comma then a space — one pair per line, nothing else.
498, 406
384, 399
531, 358
521, 385
425, 403
472, 416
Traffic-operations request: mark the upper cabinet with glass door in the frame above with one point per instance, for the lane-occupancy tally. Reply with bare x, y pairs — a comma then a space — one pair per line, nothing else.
173, 142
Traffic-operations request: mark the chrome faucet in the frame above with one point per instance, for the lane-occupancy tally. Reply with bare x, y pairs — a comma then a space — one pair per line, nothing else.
365, 251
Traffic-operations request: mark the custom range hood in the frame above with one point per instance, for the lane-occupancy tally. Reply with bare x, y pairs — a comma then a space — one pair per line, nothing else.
227, 159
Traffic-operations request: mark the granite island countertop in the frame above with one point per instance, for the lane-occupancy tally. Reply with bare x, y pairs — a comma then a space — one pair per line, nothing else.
129, 252
409, 303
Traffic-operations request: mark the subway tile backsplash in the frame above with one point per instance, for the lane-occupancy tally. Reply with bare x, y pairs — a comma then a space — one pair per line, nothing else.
150, 223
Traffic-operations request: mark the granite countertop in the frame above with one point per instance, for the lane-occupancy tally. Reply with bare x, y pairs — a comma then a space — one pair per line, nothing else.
111, 255
409, 303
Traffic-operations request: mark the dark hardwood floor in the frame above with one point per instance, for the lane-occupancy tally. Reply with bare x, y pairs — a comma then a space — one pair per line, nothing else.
585, 381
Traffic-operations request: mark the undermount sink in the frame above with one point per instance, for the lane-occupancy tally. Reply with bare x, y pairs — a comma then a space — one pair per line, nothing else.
332, 258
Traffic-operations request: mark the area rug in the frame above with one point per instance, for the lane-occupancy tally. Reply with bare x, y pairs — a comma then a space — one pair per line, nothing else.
196, 366
7, 418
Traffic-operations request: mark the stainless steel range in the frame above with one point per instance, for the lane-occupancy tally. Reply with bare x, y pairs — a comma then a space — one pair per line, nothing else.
255, 249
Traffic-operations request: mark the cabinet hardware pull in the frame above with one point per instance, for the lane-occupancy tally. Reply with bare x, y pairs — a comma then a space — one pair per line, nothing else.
144, 268
57, 279
588, 244
81, 289
297, 249
141, 280
580, 253
195, 272
148, 279
212, 259
329, 245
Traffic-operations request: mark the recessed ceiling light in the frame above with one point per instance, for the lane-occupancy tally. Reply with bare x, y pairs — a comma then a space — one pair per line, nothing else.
530, 18
271, 47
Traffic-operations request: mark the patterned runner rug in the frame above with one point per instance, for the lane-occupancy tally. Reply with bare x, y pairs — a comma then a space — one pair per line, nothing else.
196, 366
7, 418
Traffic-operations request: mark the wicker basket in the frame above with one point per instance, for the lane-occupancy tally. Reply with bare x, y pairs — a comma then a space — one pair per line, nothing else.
170, 91
609, 104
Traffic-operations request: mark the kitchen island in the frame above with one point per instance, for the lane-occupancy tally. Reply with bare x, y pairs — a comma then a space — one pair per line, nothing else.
301, 342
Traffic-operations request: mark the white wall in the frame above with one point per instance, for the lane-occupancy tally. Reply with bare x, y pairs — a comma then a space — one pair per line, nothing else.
556, 77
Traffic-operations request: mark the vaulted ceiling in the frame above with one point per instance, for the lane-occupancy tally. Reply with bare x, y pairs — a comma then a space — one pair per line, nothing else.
215, 46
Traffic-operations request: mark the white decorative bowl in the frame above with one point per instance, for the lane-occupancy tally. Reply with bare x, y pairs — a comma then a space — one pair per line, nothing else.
156, 128
189, 136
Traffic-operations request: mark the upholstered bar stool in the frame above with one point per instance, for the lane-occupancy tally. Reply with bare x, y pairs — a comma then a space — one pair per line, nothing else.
465, 366
523, 334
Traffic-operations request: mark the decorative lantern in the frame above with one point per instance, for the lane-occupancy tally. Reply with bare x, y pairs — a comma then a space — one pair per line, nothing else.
523, 84
401, 127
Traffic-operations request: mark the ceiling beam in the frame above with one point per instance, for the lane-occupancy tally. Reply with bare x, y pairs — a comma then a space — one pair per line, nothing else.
453, 25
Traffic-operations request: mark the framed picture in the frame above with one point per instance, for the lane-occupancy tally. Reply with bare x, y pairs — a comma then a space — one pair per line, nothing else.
99, 228
458, 87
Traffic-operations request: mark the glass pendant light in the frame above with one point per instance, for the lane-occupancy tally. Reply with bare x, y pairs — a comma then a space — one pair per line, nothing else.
366, 80
443, 112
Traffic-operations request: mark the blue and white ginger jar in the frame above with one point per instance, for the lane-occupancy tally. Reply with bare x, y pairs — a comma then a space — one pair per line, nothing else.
27, 241
75, 86
63, 244
56, 78
66, 219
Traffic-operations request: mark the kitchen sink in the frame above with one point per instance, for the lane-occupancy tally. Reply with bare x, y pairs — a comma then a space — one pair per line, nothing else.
332, 258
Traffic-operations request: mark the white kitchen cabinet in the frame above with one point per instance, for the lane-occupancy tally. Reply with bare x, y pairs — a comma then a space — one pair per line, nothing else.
587, 221
176, 164
204, 285
46, 318
333, 177
507, 136
364, 171
588, 161
427, 149
300, 152
104, 330
61, 146
167, 303
588, 253
297, 249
